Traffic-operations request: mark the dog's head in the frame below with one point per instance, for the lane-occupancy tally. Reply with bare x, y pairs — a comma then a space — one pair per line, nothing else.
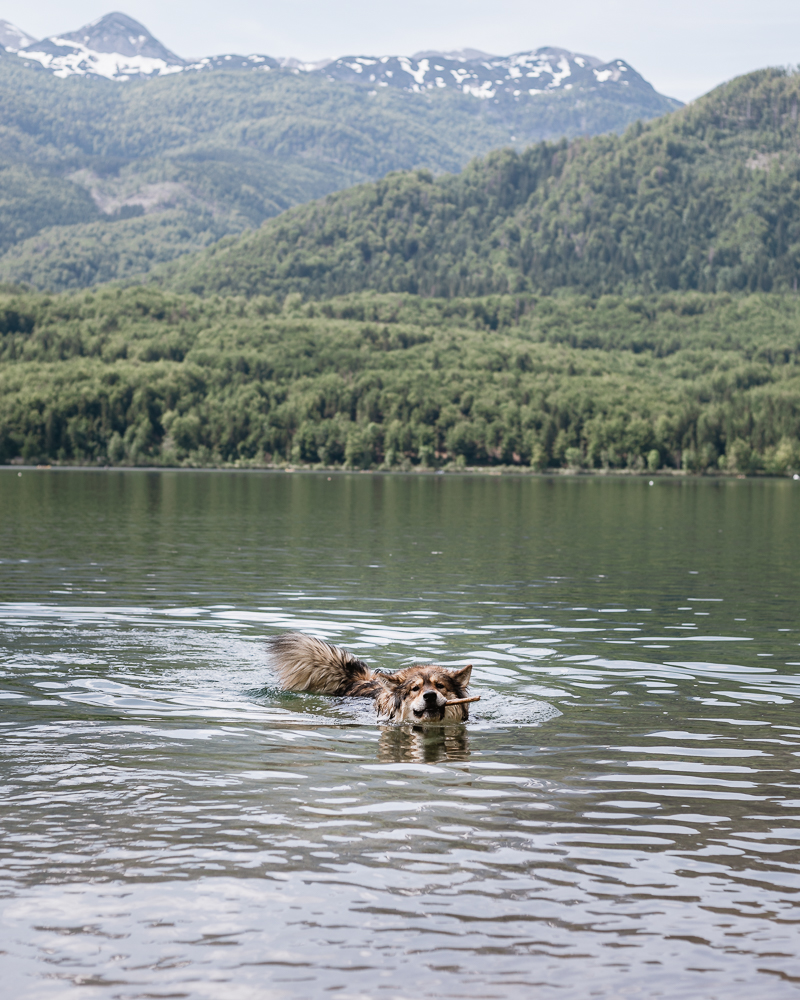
421, 693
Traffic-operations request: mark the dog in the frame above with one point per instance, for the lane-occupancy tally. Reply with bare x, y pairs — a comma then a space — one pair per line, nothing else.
419, 694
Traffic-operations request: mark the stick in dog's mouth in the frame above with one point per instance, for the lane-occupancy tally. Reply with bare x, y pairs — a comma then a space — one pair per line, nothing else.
462, 701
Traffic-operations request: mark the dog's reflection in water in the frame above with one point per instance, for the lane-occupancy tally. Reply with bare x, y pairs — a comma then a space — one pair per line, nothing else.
422, 744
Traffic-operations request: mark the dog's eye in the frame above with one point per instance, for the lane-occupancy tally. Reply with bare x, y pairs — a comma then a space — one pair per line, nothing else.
415, 688
440, 686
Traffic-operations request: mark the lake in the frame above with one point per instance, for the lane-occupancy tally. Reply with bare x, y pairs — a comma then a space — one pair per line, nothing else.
619, 818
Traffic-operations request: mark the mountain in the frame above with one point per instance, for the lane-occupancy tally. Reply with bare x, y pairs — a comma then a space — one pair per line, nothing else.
12, 38
141, 156
707, 198
515, 78
114, 46
119, 48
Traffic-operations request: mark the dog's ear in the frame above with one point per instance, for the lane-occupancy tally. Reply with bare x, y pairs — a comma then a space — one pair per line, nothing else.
462, 676
389, 681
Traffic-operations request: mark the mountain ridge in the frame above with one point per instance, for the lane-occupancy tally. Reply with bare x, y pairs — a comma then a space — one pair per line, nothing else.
120, 48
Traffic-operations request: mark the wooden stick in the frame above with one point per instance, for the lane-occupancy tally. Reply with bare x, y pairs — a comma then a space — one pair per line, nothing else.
462, 701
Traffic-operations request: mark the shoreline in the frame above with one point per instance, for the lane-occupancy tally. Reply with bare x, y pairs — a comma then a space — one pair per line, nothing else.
484, 471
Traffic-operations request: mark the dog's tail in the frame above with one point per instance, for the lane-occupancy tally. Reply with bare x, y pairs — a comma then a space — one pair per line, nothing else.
304, 663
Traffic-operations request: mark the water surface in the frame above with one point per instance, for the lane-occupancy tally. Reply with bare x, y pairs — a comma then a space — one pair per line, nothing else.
618, 818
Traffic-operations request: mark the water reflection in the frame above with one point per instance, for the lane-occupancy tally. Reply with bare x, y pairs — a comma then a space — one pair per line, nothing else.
423, 744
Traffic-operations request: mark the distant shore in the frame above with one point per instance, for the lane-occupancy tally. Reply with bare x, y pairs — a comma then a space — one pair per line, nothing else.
478, 470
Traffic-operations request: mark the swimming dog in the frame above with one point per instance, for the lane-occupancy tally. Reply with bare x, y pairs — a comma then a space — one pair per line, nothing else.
422, 693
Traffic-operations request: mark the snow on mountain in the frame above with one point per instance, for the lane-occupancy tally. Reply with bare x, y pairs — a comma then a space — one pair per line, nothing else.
487, 77
115, 46
289, 62
254, 61
12, 38
119, 48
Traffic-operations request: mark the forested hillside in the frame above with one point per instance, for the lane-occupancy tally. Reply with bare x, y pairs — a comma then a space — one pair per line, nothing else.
203, 154
465, 320
230, 150
141, 376
706, 198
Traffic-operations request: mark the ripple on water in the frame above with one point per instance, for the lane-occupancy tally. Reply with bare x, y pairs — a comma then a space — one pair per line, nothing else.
621, 809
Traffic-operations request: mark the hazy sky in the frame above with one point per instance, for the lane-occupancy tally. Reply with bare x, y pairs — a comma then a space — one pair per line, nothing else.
683, 47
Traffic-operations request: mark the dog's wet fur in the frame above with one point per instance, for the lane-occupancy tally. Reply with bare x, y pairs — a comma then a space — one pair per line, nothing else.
415, 694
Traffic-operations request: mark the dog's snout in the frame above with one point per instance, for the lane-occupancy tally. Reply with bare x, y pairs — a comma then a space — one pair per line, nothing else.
430, 697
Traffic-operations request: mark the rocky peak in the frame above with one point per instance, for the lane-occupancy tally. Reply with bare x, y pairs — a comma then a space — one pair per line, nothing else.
119, 33
114, 46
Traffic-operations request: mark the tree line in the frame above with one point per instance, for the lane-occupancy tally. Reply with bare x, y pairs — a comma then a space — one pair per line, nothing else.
702, 383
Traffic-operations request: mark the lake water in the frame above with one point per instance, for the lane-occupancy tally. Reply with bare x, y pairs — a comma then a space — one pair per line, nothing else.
618, 819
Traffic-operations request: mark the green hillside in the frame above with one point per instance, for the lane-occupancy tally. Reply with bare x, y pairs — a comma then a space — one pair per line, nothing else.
706, 198
617, 303
76, 256
231, 147
28, 197
142, 376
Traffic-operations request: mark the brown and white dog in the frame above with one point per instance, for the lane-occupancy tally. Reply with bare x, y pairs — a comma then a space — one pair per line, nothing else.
415, 694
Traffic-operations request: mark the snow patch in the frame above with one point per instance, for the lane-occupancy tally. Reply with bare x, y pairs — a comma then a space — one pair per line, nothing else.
78, 60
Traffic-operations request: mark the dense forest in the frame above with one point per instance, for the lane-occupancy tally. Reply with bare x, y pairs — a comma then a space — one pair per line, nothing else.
140, 376
706, 198
200, 155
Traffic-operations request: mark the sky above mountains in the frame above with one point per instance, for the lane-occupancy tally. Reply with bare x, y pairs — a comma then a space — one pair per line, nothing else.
684, 48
